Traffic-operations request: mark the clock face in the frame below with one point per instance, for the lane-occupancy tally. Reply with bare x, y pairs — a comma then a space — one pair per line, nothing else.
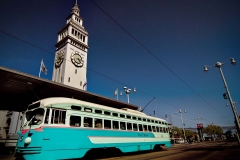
59, 58
77, 59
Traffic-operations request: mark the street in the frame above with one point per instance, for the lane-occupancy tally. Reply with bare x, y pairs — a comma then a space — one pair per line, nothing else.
213, 150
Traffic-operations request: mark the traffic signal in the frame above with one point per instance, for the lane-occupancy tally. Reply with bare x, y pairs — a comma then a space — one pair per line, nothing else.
225, 96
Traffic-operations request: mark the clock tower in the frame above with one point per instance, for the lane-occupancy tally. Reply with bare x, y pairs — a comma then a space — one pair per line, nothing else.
71, 52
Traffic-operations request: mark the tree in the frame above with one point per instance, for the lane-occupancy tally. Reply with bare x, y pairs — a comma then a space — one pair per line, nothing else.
176, 131
213, 130
228, 133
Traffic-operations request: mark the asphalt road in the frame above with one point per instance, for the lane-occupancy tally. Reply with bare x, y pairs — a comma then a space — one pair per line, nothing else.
215, 150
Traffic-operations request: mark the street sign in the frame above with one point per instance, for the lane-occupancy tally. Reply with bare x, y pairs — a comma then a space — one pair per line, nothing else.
200, 126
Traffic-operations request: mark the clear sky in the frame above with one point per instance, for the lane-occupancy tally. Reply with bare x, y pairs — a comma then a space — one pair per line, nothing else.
177, 38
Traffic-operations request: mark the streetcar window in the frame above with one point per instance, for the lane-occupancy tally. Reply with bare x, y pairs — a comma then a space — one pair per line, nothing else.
149, 128
154, 128
32, 106
115, 124
152, 121
115, 114
166, 130
122, 115
157, 128
88, 122
76, 108
35, 117
140, 127
107, 113
98, 123
47, 116
148, 120
139, 118
144, 119
134, 117
87, 109
129, 117
161, 129
135, 127
107, 124
58, 116
129, 126
98, 111
75, 121
122, 125
145, 128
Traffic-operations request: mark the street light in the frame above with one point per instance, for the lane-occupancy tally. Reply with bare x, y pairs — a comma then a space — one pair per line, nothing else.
128, 90
227, 95
180, 111
198, 119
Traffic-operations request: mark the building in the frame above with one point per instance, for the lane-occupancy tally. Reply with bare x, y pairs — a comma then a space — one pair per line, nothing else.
70, 64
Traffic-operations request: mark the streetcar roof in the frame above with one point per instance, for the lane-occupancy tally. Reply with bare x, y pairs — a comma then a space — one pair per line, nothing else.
63, 100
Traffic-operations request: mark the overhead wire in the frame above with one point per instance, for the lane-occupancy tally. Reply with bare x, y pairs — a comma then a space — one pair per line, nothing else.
89, 69
155, 57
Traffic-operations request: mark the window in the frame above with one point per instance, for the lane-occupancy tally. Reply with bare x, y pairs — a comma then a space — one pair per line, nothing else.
98, 123
115, 124
80, 83
145, 128
75, 71
107, 113
87, 109
154, 128
115, 114
72, 31
75, 121
129, 117
135, 128
76, 108
122, 125
144, 119
157, 128
98, 111
149, 128
58, 116
129, 126
107, 124
47, 116
140, 127
148, 120
88, 122
122, 115
161, 129
134, 118
139, 118
68, 79
152, 121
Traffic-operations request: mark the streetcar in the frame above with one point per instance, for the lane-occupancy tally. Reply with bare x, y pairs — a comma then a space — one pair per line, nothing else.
66, 128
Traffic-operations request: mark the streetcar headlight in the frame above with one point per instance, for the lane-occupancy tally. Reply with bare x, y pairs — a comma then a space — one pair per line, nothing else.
28, 140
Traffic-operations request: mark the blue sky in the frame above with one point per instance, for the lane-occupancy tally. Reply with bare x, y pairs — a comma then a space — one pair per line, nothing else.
183, 35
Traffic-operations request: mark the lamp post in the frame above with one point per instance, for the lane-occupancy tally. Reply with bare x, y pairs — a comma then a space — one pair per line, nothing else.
227, 95
128, 90
180, 111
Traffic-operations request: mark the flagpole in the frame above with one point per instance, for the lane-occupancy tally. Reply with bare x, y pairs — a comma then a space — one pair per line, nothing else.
117, 93
40, 69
